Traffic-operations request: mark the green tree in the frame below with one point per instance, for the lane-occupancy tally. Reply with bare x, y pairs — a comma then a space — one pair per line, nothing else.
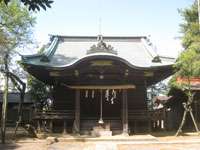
190, 25
34, 4
187, 65
39, 91
16, 23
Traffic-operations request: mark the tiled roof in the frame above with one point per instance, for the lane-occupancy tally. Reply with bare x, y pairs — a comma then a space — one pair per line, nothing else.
65, 51
194, 82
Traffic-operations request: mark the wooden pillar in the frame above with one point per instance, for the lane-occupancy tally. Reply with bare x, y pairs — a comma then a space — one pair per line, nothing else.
124, 112
76, 126
38, 126
64, 127
196, 109
149, 117
51, 126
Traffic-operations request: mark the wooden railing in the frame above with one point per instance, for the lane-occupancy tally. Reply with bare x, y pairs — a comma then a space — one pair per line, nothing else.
155, 119
54, 114
158, 119
139, 114
45, 119
153, 115
159, 114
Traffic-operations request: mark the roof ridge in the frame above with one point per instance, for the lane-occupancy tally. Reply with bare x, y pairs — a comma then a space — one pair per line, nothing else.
168, 57
149, 48
95, 36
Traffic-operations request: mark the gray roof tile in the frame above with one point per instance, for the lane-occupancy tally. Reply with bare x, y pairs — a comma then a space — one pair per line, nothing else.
66, 51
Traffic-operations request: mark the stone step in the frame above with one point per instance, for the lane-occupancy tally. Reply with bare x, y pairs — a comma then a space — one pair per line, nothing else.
88, 124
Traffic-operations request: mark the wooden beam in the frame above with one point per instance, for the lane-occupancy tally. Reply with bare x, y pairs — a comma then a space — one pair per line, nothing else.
96, 87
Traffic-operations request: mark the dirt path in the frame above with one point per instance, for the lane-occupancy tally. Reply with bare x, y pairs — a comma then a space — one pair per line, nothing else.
98, 146
140, 142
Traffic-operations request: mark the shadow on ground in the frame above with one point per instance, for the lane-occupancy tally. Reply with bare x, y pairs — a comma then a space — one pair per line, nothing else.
9, 146
170, 133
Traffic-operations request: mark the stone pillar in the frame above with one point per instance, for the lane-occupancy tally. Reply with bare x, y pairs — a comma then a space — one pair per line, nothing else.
76, 126
125, 112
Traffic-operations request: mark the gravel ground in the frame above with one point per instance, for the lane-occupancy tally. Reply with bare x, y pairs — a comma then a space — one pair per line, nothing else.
163, 141
160, 147
98, 146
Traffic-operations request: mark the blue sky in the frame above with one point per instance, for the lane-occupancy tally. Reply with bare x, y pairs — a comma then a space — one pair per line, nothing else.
158, 18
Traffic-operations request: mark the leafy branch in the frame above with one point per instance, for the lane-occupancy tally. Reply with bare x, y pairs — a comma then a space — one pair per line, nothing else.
34, 4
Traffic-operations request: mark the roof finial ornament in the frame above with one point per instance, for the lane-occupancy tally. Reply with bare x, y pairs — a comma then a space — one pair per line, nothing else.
100, 38
101, 46
100, 21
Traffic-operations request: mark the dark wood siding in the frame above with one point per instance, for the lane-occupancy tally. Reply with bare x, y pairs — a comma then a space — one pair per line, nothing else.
136, 98
64, 98
137, 110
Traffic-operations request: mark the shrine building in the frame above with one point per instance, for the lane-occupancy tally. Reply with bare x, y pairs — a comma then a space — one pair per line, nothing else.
98, 80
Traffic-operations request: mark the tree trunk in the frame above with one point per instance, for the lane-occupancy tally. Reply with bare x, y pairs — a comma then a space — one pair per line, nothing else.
182, 122
21, 86
187, 108
195, 124
5, 102
20, 111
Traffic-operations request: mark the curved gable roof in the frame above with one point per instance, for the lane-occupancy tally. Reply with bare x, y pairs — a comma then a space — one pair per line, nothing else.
66, 51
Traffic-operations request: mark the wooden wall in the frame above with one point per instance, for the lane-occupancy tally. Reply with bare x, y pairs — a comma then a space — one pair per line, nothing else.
137, 110
64, 99
136, 98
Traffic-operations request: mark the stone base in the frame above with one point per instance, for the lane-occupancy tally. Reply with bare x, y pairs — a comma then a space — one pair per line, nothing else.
51, 140
101, 133
125, 134
101, 130
41, 135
